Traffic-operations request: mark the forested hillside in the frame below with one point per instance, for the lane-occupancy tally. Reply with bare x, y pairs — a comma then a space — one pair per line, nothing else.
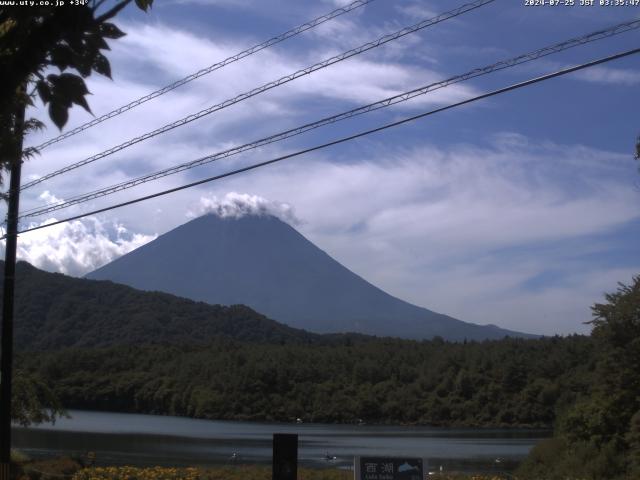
56, 311
508, 382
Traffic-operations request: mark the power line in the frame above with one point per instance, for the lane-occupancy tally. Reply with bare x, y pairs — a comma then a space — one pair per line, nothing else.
501, 65
216, 66
268, 86
343, 139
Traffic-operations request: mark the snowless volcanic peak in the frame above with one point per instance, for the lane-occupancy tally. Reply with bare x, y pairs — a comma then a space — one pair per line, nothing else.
241, 253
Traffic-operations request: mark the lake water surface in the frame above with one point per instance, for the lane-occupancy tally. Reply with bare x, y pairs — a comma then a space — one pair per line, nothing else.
160, 440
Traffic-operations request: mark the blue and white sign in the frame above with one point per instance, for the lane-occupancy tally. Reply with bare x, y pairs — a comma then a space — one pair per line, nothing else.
388, 468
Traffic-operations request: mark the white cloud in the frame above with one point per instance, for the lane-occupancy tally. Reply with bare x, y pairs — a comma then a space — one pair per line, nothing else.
416, 10
338, 3
77, 247
363, 81
341, 32
611, 76
50, 199
425, 223
238, 205
598, 74
218, 3
176, 52
435, 226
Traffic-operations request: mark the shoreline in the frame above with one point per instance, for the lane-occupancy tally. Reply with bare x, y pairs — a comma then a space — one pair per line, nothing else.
243, 420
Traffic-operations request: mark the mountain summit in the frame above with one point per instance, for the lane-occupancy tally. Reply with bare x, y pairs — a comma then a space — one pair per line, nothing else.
264, 263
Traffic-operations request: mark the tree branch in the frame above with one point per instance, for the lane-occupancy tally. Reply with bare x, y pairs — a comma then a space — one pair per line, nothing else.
113, 12
96, 5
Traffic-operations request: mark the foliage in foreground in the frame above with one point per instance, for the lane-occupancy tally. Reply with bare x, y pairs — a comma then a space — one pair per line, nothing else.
153, 473
47, 52
228, 473
65, 467
599, 436
239, 472
33, 400
39, 39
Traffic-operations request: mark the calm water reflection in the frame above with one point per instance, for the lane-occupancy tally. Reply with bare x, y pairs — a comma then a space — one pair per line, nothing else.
156, 440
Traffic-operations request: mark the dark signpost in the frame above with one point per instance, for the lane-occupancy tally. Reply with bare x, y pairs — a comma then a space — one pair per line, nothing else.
388, 468
285, 456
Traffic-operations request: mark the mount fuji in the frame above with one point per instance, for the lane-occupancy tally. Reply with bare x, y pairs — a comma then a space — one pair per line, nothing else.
262, 262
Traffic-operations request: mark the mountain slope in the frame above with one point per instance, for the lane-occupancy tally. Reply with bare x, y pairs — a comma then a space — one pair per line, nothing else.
55, 311
264, 263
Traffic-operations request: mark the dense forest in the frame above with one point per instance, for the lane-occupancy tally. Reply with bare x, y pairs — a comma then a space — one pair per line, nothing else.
509, 382
99, 345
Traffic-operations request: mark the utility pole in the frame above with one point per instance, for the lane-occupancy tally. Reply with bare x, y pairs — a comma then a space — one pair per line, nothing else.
6, 360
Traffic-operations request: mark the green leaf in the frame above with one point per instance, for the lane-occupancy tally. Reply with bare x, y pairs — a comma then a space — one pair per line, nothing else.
83, 63
70, 88
74, 83
44, 91
101, 65
62, 57
97, 42
109, 30
34, 401
69, 85
83, 103
144, 4
59, 114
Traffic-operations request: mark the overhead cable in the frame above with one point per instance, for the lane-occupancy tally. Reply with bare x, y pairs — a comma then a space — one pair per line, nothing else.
340, 140
501, 65
211, 68
268, 86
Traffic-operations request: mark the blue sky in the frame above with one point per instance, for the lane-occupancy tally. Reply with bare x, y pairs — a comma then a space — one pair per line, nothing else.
520, 210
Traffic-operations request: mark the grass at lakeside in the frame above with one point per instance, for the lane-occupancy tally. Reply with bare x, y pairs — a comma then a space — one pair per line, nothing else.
67, 468
240, 472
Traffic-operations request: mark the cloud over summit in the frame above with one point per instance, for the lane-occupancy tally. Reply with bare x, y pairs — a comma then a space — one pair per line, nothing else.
238, 205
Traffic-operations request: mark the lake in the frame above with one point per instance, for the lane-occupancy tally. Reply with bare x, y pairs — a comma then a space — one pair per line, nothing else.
133, 439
